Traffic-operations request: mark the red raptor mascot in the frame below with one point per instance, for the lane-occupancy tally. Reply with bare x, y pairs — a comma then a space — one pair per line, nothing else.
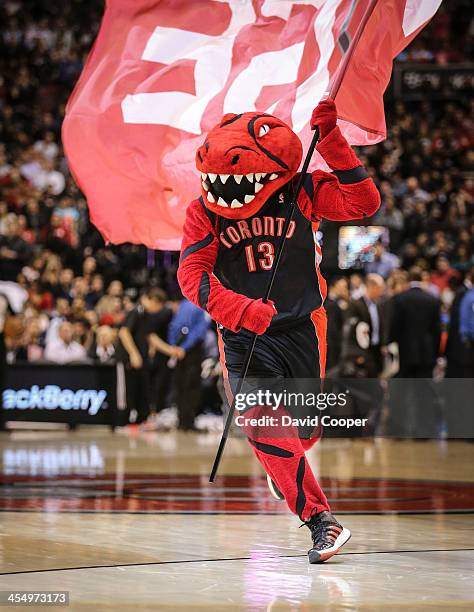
249, 165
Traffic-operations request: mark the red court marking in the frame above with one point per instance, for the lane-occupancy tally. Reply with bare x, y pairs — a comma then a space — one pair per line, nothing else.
231, 494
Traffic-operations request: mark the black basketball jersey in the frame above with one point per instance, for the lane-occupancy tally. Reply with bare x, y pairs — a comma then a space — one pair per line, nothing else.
247, 251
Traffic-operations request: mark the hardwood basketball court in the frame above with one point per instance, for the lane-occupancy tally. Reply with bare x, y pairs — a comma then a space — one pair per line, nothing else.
128, 521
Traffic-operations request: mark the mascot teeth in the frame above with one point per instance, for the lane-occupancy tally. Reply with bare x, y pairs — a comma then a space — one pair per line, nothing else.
215, 194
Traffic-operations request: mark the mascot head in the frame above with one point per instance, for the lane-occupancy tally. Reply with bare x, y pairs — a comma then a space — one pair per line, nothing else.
244, 160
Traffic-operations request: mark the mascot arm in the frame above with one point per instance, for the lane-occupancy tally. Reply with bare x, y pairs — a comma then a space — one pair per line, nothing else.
346, 193
195, 272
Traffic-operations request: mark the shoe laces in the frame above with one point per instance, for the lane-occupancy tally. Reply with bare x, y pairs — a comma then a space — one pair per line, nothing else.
323, 533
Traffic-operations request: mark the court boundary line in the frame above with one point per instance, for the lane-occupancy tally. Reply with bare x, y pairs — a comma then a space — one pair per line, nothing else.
224, 559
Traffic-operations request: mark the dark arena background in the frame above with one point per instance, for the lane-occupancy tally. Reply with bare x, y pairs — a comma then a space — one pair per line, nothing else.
104, 473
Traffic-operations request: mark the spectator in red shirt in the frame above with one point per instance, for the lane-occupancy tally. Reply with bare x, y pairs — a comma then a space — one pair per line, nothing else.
442, 273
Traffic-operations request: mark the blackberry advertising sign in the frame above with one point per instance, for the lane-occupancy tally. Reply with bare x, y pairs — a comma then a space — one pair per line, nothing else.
74, 394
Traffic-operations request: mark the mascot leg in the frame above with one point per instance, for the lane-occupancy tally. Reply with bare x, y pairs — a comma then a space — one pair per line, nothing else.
281, 450
282, 455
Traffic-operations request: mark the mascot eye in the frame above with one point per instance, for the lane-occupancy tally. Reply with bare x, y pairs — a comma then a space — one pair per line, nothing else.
264, 129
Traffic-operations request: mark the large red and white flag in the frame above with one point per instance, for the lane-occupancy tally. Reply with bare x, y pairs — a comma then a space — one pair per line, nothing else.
162, 72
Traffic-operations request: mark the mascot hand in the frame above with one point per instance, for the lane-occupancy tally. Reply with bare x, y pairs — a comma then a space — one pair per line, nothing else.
324, 117
257, 316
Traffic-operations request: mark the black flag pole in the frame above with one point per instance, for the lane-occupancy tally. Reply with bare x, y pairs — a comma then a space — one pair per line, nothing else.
334, 88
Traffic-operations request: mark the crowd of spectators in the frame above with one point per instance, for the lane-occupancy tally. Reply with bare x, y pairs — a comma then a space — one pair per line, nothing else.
80, 293
448, 39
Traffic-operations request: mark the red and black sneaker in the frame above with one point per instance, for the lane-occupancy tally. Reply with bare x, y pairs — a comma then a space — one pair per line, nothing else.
328, 536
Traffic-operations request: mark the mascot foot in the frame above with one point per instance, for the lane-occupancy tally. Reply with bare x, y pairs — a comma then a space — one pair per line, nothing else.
274, 490
328, 536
